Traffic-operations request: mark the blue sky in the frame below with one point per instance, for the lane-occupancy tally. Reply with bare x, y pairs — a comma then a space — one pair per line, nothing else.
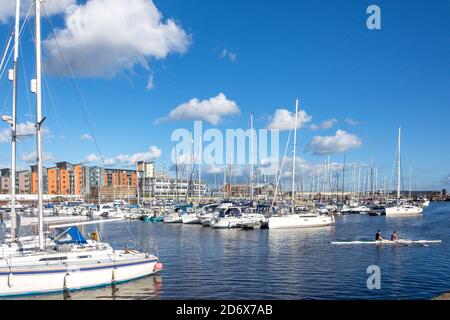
261, 55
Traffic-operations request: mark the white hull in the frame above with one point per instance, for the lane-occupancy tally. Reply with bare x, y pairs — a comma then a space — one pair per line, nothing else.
403, 211
300, 221
57, 277
226, 223
172, 219
190, 219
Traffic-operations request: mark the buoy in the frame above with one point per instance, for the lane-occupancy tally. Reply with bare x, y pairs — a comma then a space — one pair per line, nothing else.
158, 267
10, 279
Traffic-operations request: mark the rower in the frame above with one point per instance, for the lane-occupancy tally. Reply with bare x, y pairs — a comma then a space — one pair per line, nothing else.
378, 236
394, 236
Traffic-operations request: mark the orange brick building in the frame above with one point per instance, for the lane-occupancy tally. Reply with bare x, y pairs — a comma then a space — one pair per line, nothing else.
63, 179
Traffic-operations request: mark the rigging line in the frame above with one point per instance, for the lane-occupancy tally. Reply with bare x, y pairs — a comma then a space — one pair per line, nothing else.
80, 97
54, 103
26, 79
280, 172
9, 42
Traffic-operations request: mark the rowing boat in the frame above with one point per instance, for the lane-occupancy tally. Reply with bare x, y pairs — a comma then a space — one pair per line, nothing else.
389, 242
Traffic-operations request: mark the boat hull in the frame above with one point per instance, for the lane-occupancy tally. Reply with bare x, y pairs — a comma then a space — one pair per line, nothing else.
19, 282
403, 211
190, 219
298, 221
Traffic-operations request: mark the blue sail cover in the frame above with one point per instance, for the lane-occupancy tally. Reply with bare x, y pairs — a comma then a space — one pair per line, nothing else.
74, 233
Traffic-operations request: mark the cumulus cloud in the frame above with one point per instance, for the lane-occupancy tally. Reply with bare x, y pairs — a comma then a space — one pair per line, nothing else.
24, 130
227, 54
150, 83
327, 124
51, 7
284, 120
86, 137
446, 180
101, 38
214, 169
351, 122
91, 158
340, 142
31, 157
130, 160
211, 110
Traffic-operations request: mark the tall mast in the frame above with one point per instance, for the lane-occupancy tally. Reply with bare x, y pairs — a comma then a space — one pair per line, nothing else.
410, 182
398, 164
200, 169
39, 120
293, 157
343, 179
176, 174
14, 121
251, 157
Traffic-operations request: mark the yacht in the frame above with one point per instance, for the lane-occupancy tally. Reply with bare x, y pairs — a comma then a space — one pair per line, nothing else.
401, 208
70, 262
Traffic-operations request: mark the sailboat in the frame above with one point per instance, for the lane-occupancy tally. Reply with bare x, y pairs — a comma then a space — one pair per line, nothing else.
294, 220
73, 262
401, 209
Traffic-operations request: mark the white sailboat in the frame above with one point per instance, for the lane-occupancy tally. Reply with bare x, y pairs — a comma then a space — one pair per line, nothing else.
295, 220
73, 262
401, 209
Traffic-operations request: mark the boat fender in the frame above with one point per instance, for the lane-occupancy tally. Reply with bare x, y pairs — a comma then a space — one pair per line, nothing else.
10, 279
114, 275
67, 281
158, 267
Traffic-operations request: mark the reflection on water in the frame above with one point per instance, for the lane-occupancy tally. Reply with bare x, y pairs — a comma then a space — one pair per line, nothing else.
204, 263
145, 288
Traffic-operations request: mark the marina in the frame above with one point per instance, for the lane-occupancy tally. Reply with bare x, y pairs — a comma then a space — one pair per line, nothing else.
246, 172
205, 263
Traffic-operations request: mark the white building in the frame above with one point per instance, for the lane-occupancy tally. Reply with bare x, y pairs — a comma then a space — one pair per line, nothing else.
162, 186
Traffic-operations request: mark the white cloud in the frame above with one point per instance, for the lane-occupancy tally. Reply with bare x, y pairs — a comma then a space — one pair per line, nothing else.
150, 83
90, 158
351, 122
227, 54
86, 137
338, 143
130, 160
327, 124
284, 120
24, 130
101, 38
214, 169
31, 157
51, 7
211, 110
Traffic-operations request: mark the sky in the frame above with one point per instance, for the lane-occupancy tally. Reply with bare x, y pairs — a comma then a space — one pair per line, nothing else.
121, 76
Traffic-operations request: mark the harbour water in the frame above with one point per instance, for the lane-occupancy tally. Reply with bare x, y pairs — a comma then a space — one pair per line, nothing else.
203, 263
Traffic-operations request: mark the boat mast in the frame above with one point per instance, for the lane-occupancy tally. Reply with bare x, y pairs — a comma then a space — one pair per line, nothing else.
293, 157
410, 182
251, 158
398, 165
200, 169
39, 120
176, 174
14, 121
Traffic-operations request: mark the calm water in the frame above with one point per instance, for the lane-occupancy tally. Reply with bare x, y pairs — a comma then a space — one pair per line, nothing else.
202, 263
